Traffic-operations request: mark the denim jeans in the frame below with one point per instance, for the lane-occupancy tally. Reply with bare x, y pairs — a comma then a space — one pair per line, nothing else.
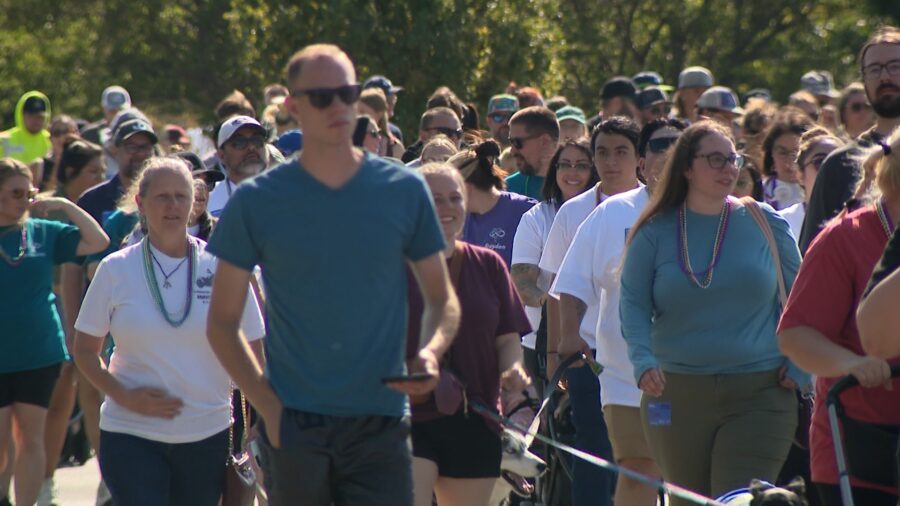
591, 485
142, 472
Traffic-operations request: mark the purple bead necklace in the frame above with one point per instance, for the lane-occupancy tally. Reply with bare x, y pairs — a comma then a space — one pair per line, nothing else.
684, 258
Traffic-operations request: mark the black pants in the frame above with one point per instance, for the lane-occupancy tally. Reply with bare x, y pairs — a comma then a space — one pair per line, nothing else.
345, 461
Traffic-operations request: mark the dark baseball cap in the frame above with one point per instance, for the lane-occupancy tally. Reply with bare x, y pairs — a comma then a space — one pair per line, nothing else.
133, 127
649, 96
34, 105
619, 86
382, 82
647, 78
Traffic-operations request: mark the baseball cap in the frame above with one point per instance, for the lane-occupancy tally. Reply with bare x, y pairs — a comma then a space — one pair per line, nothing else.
720, 98
819, 83
503, 103
649, 96
176, 134
760, 93
382, 82
647, 78
618, 86
693, 77
290, 142
124, 115
34, 105
571, 112
115, 97
198, 170
233, 124
133, 127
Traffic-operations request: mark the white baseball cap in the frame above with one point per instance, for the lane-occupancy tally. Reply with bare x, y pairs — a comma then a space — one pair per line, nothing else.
234, 124
115, 97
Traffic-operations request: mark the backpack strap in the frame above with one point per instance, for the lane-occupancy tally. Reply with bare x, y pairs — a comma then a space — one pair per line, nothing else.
757, 214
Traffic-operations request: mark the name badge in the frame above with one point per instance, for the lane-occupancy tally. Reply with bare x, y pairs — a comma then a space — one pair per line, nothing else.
659, 413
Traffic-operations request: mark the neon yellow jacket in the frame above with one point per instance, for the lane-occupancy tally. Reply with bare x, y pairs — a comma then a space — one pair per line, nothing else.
18, 142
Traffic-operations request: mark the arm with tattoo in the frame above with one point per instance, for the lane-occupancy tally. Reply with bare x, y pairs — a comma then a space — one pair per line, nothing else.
525, 277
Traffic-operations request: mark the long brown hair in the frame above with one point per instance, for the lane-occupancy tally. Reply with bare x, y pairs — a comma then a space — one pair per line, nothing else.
673, 185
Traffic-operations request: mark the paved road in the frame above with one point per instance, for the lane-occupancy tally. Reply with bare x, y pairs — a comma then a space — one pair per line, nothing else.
77, 486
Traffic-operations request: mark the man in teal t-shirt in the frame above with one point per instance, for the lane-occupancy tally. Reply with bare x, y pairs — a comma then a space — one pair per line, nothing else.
333, 233
533, 137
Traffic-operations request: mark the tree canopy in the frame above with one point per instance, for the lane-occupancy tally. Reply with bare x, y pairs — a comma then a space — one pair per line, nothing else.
178, 58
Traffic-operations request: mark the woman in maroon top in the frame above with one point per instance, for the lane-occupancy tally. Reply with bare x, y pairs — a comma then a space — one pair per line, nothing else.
457, 456
819, 332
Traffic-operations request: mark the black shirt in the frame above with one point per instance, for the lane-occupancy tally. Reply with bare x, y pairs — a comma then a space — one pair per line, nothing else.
834, 186
888, 264
100, 201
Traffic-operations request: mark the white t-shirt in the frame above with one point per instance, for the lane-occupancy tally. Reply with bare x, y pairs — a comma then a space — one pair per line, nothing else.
591, 272
219, 196
566, 223
795, 216
151, 353
528, 244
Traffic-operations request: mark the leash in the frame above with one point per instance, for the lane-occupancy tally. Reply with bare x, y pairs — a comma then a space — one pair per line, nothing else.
531, 433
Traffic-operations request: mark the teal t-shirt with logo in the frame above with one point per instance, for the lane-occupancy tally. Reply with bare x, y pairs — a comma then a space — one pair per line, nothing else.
334, 268
530, 186
32, 335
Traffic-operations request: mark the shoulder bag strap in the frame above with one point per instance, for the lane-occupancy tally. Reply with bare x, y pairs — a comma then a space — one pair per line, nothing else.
760, 219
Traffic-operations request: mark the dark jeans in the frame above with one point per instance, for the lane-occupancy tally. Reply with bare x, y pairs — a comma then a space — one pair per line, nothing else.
345, 461
591, 485
141, 472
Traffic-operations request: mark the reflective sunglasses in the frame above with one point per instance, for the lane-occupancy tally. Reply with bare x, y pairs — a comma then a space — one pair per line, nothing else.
718, 160
321, 98
499, 117
661, 144
241, 143
20, 194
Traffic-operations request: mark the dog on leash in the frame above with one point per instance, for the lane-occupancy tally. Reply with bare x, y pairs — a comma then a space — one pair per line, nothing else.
517, 465
792, 494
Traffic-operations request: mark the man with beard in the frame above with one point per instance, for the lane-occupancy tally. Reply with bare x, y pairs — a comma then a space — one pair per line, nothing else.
879, 62
533, 136
242, 152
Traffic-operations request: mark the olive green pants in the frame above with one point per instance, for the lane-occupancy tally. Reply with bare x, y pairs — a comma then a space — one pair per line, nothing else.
714, 433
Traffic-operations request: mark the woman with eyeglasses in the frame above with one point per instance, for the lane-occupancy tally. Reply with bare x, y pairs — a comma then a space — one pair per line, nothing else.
699, 306
571, 173
781, 186
32, 346
492, 214
815, 146
164, 424
368, 136
820, 331
855, 112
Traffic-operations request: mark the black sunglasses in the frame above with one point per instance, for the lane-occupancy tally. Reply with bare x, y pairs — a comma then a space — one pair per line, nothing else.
321, 98
241, 143
518, 142
661, 144
453, 133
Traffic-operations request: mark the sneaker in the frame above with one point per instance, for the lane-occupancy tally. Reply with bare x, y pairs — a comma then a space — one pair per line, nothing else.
104, 498
47, 495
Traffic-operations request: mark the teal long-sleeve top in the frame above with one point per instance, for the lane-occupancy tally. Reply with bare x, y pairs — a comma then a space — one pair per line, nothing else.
671, 323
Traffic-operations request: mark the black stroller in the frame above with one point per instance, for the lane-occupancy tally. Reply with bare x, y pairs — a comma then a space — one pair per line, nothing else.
866, 450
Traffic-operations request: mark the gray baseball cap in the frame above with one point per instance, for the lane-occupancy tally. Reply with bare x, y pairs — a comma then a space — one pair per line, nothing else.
693, 77
720, 98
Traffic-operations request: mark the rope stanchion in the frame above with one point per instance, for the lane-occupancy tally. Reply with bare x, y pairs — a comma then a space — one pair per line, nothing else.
673, 490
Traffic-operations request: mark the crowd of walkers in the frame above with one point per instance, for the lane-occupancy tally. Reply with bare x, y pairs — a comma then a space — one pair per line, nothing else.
697, 269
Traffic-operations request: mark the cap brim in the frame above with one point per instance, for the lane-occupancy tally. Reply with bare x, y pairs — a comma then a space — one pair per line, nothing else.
136, 132
208, 175
395, 89
258, 128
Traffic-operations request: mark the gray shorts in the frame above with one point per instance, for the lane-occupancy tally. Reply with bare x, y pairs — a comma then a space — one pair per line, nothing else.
325, 460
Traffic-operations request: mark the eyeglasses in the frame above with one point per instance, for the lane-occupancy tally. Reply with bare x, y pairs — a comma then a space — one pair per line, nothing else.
20, 194
718, 160
321, 98
786, 154
454, 133
519, 142
374, 133
816, 161
661, 144
579, 166
241, 143
499, 117
859, 106
134, 149
873, 71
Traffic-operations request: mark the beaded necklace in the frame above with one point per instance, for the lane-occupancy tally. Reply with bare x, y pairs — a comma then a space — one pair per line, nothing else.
23, 247
684, 259
886, 223
150, 275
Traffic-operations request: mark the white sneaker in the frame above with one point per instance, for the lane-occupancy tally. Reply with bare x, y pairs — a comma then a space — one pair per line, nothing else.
47, 495
104, 498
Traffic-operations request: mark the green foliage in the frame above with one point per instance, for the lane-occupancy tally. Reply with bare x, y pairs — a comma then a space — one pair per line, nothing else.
179, 57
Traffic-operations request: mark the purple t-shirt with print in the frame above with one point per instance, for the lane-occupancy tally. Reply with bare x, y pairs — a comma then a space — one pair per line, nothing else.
496, 228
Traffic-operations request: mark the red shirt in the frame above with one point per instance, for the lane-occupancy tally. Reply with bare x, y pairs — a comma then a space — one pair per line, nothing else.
490, 308
828, 289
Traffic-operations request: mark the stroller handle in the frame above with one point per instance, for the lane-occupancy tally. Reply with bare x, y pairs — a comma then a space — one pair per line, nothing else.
847, 382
